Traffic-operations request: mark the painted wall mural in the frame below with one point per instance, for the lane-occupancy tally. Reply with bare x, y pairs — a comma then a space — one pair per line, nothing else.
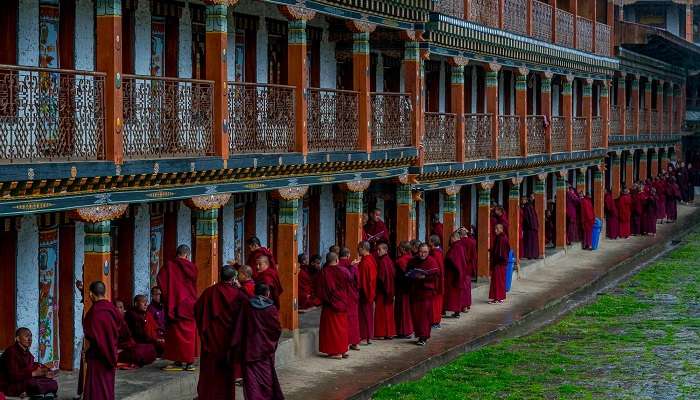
48, 297
49, 83
158, 46
156, 250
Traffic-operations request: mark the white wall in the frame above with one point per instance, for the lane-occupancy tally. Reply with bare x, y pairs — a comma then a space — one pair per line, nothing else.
142, 250
327, 220
443, 91
475, 204
184, 225
421, 220
475, 79
142, 39
261, 218
85, 35
27, 280
672, 19
380, 73
28, 33
555, 100
79, 261
185, 49
227, 237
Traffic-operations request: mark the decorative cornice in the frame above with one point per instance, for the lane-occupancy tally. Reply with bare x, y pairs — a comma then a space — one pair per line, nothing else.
357, 186
297, 13
361, 26
99, 213
486, 185
452, 190
292, 192
208, 202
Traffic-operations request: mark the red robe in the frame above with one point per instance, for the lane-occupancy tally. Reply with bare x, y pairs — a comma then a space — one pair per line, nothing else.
649, 213
612, 223
530, 228
455, 272
673, 194
132, 352
437, 229
377, 232
587, 220
384, 324
572, 228
367, 272
624, 208
333, 287
471, 255
495, 220
251, 261
272, 280
217, 314
440, 285
16, 374
248, 287
353, 301
143, 328
660, 186
256, 340
423, 290
402, 301
178, 281
499, 258
307, 296
101, 328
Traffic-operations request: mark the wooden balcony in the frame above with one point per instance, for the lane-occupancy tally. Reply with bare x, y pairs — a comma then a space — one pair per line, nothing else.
579, 126
584, 34
509, 135
167, 117
51, 115
535, 134
596, 132
477, 136
515, 16
332, 119
565, 28
392, 114
559, 139
542, 21
615, 128
439, 140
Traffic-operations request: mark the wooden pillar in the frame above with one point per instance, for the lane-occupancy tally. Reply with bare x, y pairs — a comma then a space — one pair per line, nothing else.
560, 231
635, 105
206, 247
574, 10
98, 255
484, 228
405, 213
501, 12
689, 21
598, 193
647, 107
660, 110
611, 23
361, 82
521, 107
669, 109
581, 179
604, 109
108, 59
588, 110
567, 111
622, 102
467, 9
540, 208
492, 104
654, 167
413, 83
457, 103
642, 164
353, 214
546, 101
615, 175
529, 19
449, 214
216, 70
514, 216
679, 107
629, 170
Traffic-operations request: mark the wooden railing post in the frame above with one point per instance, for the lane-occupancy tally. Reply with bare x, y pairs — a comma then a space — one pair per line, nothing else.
546, 101
216, 70
361, 81
492, 104
529, 17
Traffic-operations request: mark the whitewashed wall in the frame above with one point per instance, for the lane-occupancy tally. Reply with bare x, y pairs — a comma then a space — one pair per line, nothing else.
27, 278
142, 39
28, 33
142, 250
79, 262
185, 48
327, 221
85, 35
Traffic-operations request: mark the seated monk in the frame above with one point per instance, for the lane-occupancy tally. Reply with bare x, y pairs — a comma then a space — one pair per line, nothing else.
308, 272
131, 354
245, 279
19, 374
142, 325
157, 311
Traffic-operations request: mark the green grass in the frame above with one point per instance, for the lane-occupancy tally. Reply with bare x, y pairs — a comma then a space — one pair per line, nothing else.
646, 330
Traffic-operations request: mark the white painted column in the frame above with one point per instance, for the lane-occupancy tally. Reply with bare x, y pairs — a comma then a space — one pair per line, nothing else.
328, 62
84, 49
261, 52
142, 39
231, 46
421, 220
79, 261
28, 36
185, 45
474, 92
142, 250
442, 92
261, 217
27, 280
228, 241
474, 205
184, 225
327, 220
380, 73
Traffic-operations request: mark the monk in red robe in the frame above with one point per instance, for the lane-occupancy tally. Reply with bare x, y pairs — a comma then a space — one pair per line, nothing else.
471, 255
245, 279
499, 259
660, 186
376, 230
367, 273
587, 220
673, 195
649, 214
384, 324
256, 339
268, 275
530, 227
217, 313
402, 301
572, 207
455, 271
101, 328
333, 287
157, 311
132, 354
612, 223
142, 325
438, 255
353, 298
178, 280
423, 273
255, 250
624, 208
20, 375
307, 277
437, 226
498, 216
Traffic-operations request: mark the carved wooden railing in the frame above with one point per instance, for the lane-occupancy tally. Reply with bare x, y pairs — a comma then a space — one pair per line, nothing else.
509, 135
541, 21
391, 120
167, 117
558, 138
643, 126
629, 124
565, 28
332, 119
477, 136
579, 127
602, 39
261, 118
596, 132
655, 125
535, 134
484, 12
453, 8
615, 120
51, 114
439, 140
515, 16
584, 34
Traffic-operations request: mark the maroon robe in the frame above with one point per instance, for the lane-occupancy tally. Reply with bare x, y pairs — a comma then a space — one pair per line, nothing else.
624, 208
471, 255
101, 328
307, 295
572, 228
217, 314
437, 229
256, 339
353, 301
377, 232
438, 301
272, 280
402, 301
423, 290
499, 259
178, 282
673, 194
455, 271
142, 326
495, 220
333, 287
16, 367
587, 220
649, 213
132, 352
367, 272
158, 312
530, 228
612, 223
636, 217
660, 187
384, 324
253, 257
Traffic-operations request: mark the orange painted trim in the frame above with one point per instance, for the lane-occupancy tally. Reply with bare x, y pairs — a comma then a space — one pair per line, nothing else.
216, 70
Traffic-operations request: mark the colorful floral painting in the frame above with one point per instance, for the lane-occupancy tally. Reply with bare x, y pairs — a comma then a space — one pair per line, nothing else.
48, 82
48, 296
157, 47
156, 250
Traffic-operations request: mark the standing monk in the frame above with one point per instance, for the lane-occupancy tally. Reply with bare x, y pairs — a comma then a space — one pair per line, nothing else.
636, 217
436, 253
530, 228
612, 224
402, 302
572, 205
455, 271
471, 254
101, 328
353, 298
423, 272
178, 281
438, 228
268, 275
499, 258
587, 220
624, 208
19, 374
367, 272
376, 230
332, 287
384, 324
255, 250
217, 312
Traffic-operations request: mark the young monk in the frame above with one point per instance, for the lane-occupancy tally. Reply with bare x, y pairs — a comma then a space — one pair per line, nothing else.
217, 313
353, 298
530, 247
499, 258
384, 324
367, 272
131, 354
455, 271
424, 273
268, 275
624, 209
587, 221
438, 255
141, 324
471, 254
157, 311
245, 279
257, 339
332, 287
20, 375
402, 301
255, 250
308, 271
101, 328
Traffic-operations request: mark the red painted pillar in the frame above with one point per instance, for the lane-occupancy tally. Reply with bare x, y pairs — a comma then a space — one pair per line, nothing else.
635, 105
484, 228
216, 70
457, 103
361, 81
567, 111
647, 107
669, 109
353, 214
605, 112
689, 21
449, 214
521, 107
679, 107
405, 213
654, 167
615, 175
629, 170
98, 257
660, 108
514, 216
622, 103
642, 164
560, 231
588, 110
413, 82
492, 104
598, 192
540, 208
546, 101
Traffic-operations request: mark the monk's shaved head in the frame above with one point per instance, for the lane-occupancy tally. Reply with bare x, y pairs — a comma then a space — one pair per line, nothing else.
245, 271
228, 273
331, 258
183, 250
262, 289
22, 331
98, 289
344, 252
384, 246
434, 240
139, 298
364, 245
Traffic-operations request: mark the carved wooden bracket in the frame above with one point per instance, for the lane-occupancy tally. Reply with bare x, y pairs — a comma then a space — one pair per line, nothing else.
208, 202
100, 213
